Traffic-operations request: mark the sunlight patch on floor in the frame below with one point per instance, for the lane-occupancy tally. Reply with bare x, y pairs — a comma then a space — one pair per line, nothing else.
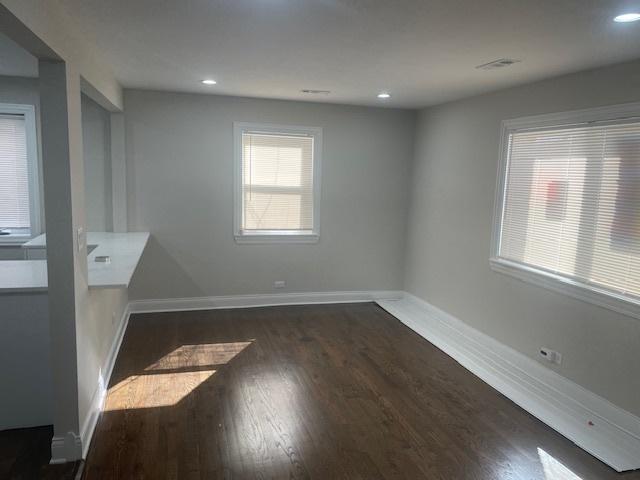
157, 390
199, 355
173, 377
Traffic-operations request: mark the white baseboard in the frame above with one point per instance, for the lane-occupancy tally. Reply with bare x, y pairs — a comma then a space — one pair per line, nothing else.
267, 300
608, 432
82, 442
614, 437
70, 448
66, 449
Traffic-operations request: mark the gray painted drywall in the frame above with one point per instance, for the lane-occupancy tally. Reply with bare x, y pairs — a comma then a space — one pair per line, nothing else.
11, 252
66, 270
96, 334
96, 151
22, 90
180, 188
25, 361
449, 232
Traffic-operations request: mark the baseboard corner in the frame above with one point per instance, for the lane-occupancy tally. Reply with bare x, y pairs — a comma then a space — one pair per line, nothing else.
599, 427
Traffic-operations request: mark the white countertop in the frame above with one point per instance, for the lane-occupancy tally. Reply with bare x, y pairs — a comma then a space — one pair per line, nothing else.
23, 276
124, 249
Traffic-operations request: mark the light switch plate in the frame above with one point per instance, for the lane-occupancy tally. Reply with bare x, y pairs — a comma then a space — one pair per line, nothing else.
80, 238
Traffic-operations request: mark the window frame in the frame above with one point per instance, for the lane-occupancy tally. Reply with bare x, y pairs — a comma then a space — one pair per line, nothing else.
29, 114
567, 285
275, 236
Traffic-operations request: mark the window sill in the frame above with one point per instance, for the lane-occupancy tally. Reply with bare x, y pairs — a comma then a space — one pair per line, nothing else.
589, 293
264, 238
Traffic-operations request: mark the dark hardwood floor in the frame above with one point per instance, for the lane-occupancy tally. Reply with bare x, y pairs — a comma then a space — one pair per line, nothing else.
322, 392
25, 455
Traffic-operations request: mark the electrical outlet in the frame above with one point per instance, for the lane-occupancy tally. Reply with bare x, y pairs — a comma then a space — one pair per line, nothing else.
279, 284
550, 356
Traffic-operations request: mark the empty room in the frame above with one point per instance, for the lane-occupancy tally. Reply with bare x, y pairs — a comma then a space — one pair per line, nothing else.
320, 239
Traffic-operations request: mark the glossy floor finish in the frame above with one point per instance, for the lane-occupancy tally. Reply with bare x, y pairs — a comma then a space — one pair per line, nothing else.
321, 392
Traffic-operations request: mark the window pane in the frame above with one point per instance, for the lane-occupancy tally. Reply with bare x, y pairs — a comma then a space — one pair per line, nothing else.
14, 177
572, 203
277, 182
276, 211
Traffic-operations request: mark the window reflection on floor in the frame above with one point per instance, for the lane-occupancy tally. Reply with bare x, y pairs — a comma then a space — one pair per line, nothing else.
173, 377
199, 355
157, 390
553, 469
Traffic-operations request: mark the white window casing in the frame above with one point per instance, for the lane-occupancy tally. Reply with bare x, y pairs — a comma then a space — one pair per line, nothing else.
567, 207
276, 183
19, 183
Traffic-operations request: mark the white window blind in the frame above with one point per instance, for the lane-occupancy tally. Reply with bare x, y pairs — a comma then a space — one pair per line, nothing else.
572, 204
277, 182
14, 174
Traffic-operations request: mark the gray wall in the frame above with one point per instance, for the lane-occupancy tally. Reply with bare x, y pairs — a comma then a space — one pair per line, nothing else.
96, 334
449, 232
25, 361
96, 151
180, 188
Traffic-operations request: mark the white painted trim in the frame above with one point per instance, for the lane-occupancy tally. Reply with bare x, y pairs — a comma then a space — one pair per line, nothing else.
568, 286
79, 444
529, 273
66, 449
276, 236
562, 404
100, 393
267, 300
607, 113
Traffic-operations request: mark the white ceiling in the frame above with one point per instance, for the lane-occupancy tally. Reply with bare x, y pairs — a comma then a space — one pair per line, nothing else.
422, 51
16, 61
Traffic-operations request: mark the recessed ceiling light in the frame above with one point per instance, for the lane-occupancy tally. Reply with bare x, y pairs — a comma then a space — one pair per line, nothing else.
384, 95
627, 17
208, 81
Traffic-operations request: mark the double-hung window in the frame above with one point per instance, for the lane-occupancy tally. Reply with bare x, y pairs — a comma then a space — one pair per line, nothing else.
568, 204
277, 175
19, 203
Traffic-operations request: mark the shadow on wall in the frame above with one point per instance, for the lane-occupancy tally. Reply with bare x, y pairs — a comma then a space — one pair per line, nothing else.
171, 279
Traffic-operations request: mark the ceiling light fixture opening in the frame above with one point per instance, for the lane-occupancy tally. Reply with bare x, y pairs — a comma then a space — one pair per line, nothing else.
627, 17
208, 81
384, 95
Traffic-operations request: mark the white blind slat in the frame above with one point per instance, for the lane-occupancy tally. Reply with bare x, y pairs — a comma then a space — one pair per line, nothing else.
572, 203
14, 176
277, 182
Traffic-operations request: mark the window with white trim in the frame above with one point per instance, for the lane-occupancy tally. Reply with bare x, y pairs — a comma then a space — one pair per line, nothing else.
19, 203
568, 204
277, 183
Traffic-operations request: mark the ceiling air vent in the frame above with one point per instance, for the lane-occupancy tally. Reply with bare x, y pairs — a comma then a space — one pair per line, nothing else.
500, 63
316, 92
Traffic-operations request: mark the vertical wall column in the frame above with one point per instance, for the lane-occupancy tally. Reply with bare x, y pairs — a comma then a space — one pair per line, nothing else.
118, 173
63, 179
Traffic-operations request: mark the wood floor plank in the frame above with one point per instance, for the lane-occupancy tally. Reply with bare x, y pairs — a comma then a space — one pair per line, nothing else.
312, 392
